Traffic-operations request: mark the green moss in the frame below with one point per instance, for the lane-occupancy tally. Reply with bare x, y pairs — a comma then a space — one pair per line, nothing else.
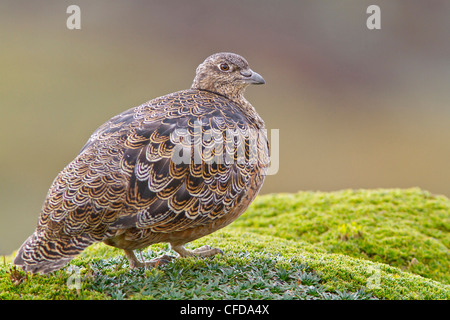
404, 228
383, 244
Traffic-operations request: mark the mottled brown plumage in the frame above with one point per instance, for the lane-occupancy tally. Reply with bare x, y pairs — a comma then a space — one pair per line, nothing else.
172, 170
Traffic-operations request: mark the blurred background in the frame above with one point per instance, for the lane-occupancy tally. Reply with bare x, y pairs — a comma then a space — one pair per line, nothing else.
356, 108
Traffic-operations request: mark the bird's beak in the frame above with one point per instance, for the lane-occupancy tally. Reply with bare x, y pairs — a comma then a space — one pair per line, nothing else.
252, 77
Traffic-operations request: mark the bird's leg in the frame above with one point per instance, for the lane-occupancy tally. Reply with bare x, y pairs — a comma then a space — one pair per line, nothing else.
135, 263
205, 251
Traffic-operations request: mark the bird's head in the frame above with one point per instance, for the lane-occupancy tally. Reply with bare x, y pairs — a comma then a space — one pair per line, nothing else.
227, 74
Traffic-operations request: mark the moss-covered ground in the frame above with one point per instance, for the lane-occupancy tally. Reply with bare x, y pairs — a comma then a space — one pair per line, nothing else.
350, 244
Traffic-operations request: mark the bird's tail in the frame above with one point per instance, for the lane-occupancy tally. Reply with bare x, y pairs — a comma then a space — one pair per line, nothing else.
42, 254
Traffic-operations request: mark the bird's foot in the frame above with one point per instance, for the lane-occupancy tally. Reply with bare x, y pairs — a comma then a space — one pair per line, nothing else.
160, 261
135, 263
204, 251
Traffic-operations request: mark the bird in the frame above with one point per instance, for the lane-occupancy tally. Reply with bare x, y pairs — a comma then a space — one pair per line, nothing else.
171, 170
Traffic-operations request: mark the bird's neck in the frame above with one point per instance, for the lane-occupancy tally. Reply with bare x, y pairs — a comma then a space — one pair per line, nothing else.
246, 107
237, 96
231, 92
250, 112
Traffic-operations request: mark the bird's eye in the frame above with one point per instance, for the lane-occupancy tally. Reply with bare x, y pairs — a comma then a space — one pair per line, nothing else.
224, 67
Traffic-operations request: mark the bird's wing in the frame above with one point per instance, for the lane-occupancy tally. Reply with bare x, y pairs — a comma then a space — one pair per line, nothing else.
126, 176
209, 177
